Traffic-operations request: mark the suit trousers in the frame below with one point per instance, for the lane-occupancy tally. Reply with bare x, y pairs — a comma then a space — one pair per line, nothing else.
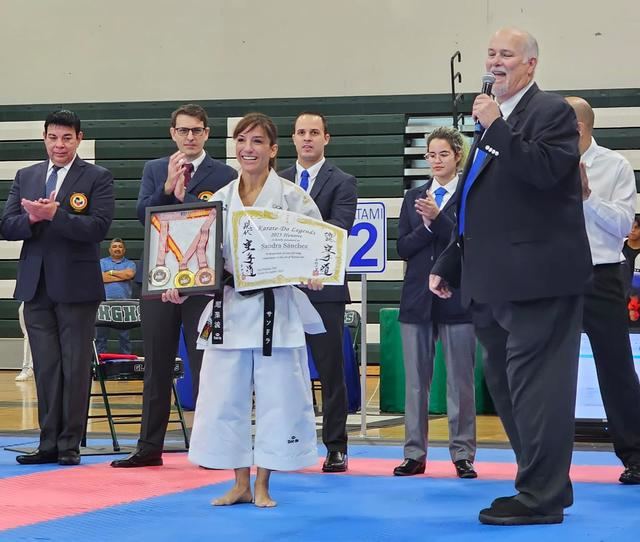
459, 346
61, 337
531, 372
607, 326
161, 334
329, 360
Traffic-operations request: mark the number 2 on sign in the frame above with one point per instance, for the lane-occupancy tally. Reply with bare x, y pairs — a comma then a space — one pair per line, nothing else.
358, 259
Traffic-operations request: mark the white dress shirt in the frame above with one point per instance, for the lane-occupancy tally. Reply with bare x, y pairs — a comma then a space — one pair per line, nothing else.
196, 163
313, 172
610, 208
450, 187
507, 107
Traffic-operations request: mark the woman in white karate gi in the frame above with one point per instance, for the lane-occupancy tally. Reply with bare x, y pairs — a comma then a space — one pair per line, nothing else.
285, 435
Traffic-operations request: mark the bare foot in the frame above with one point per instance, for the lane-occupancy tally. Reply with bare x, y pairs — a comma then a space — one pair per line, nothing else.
263, 499
235, 495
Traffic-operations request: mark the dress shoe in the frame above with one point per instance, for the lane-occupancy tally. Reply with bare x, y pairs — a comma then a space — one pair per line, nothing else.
139, 458
510, 511
70, 457
567, 502
409, 467
335, 462
631, 475
464, 469
37, 458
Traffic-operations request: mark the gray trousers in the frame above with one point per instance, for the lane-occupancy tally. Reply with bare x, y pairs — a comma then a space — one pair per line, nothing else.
459, 346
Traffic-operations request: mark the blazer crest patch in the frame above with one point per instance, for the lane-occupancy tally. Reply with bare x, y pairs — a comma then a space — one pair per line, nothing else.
78, 201
205, 196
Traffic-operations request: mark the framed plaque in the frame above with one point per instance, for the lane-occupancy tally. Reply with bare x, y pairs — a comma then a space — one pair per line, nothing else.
273, 247
183, 248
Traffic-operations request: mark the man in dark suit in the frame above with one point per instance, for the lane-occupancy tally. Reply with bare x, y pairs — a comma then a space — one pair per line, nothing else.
186, 176
523, 255
61, 209
335, 194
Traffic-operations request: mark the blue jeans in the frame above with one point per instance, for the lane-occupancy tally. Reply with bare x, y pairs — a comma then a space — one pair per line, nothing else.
102, 336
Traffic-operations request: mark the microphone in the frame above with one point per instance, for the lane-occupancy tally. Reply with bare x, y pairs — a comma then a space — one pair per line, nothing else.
488, 79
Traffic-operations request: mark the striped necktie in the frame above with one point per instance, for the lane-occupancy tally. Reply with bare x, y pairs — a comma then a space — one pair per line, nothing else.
50, 186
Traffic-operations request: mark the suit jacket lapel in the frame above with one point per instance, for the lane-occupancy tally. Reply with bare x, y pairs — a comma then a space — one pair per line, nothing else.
321, 179
204, 170
75, 171
35, 190
289, 174
515, 117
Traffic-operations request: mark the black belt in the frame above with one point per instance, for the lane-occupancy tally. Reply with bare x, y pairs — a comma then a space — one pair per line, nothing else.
215, 324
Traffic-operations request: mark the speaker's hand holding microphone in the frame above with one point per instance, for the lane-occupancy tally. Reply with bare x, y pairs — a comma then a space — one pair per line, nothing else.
485, 110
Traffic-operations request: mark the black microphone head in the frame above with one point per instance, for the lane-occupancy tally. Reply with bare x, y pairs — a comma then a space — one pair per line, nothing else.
488, 79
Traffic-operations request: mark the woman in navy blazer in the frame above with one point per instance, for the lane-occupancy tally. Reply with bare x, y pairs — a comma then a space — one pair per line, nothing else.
427, 220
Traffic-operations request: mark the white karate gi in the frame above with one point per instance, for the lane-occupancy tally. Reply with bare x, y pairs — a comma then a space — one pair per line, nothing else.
285, 436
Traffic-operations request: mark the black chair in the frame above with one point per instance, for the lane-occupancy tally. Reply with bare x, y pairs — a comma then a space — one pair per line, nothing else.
124, 314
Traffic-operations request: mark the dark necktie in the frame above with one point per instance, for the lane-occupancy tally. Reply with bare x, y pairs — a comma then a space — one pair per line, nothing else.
440, 193
304, 180
188, 171
50, 186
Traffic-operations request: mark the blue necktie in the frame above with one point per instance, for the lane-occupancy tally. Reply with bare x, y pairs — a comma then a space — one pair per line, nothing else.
469, 180
439, 193
50, 186
304, 180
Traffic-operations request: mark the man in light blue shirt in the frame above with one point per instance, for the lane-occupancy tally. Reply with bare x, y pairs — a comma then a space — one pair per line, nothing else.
117, 273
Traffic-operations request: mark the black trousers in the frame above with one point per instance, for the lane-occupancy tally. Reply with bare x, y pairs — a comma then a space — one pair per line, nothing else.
161, 334
531, 372
329, 359
61, 336
606, 323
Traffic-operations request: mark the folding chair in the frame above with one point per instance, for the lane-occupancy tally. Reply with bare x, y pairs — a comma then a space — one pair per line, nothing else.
124, 314
351, 351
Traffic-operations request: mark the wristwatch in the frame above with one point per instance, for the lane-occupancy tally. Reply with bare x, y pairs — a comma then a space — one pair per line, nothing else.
111, 272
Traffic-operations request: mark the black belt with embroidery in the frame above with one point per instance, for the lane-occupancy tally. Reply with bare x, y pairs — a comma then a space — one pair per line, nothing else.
215, 322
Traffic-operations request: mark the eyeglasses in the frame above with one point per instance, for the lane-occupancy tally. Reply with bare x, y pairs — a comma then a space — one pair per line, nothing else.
195, 131
442, 155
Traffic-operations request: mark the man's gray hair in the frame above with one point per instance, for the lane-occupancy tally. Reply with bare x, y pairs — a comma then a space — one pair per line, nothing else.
530, 46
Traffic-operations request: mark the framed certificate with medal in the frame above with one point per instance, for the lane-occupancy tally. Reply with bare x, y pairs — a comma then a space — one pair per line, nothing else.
183, 248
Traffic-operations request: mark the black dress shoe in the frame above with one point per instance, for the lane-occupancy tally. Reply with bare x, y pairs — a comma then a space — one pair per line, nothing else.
139, 458
631, 475
464, 469
70, 457
510, 511
37, 458
567, 502
409, 467
335, 462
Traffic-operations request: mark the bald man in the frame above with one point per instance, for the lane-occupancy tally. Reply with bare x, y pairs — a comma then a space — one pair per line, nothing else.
609, 201
522, 256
